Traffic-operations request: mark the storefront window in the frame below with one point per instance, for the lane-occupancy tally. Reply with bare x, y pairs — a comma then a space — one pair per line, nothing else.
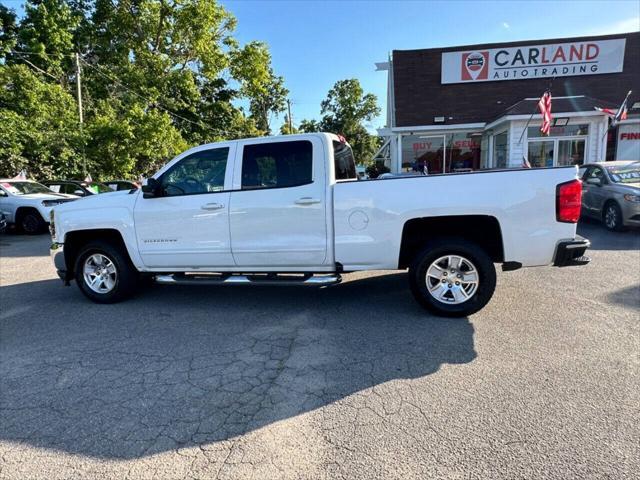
463, 152
570, 152
500, 150
423, 153
541, 153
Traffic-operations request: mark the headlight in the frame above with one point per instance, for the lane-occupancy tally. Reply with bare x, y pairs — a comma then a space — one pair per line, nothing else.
50, 203
632, 198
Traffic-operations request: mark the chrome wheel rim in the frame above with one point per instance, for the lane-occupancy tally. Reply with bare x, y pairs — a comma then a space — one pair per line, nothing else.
452, 279
100, 273
611, 217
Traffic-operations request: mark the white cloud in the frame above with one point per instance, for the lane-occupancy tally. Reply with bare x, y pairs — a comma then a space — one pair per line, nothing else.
506, 26
623, 26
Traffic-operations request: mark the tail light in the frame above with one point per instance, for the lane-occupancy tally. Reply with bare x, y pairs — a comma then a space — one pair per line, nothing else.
568, 201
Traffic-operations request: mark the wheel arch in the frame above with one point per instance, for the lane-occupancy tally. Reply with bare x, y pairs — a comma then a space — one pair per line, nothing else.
483, 230
75, 240
21, 211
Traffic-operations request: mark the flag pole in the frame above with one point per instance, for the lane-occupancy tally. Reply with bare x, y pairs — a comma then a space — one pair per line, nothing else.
534, 110
618, 112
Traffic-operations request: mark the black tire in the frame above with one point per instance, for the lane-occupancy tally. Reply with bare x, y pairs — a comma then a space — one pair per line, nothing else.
31, 222
126, 278
612, 217
441, 247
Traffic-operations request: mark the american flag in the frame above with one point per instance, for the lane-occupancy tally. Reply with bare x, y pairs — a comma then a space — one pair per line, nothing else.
621, 114
545, 109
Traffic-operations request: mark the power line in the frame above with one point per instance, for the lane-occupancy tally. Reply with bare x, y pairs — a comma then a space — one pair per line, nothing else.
111, 77
100, 69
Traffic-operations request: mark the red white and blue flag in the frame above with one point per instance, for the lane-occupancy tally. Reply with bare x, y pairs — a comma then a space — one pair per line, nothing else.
616, 115
545, 109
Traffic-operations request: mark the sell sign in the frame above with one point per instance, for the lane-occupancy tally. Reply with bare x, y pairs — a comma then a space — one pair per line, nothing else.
535, 61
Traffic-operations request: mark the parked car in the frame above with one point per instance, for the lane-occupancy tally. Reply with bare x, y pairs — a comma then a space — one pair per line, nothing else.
77, 187
290, 210
28, 204
117, 185
611, 193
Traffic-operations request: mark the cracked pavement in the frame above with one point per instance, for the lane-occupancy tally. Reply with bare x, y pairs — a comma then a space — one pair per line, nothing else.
355, 381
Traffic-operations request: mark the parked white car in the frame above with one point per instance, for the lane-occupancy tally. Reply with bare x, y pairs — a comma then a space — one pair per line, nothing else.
290, 210
28, 204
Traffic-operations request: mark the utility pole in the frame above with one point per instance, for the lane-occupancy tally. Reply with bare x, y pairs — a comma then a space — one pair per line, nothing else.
80, 116
289, 116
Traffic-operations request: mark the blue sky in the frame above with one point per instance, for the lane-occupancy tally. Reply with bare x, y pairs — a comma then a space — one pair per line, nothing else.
316, 43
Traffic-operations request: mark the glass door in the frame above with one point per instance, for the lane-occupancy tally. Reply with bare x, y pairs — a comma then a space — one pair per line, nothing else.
541, 153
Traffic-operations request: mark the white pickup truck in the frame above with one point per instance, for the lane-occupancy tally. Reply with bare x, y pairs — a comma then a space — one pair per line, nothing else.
290, 210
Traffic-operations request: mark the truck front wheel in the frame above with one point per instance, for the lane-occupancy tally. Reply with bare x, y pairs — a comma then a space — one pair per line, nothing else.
104, 273
452, 277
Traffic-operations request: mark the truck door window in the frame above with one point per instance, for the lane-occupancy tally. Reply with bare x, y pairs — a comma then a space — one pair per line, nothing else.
345, 165
277, 165
200, 172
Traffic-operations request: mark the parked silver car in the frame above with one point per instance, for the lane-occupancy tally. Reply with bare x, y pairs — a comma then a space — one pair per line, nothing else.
611, 193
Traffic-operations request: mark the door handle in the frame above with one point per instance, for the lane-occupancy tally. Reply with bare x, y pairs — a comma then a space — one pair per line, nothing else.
307, 201
212, 206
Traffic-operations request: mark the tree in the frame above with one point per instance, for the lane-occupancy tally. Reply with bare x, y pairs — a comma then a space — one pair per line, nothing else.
310, 126
38, 125
157, 77
266, 92
345, 110
48, 28
8, 30
285, 129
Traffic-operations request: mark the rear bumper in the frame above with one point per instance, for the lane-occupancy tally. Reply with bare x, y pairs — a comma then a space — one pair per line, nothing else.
56, 251
571, 252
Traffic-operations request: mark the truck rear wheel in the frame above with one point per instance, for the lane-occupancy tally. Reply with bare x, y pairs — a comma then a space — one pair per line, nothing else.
104, 273
452, 277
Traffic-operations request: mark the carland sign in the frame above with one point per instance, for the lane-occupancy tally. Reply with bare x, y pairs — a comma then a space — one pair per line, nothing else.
534, 61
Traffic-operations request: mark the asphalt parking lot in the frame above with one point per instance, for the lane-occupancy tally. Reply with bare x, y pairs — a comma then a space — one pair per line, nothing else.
355, 381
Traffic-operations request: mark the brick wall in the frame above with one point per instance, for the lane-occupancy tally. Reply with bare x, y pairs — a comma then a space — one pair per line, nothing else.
419, 95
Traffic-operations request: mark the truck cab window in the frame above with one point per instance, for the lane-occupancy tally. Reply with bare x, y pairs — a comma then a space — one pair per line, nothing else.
200, 172
345, 165
276, 165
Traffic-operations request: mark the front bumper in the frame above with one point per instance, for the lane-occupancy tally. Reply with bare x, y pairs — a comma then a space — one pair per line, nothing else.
56, 251
571, 252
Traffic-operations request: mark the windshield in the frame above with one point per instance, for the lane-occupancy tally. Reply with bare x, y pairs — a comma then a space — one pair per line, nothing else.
625, 173
97, 187
23, 188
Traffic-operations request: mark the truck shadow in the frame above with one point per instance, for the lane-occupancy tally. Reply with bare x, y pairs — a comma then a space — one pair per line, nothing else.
179, 367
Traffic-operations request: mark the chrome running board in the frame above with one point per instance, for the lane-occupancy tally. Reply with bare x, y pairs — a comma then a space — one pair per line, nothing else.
248, 279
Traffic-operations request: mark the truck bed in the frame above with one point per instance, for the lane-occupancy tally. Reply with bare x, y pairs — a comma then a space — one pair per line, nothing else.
370, 215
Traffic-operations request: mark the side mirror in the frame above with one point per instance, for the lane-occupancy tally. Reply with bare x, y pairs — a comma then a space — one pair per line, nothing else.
594, 181
152, 188
79, 192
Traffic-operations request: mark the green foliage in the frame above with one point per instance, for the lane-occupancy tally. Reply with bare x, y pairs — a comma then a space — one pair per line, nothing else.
310, 126
285, 129
8, 30
345, 110
38, 125
265, 91
158, 76
48, 28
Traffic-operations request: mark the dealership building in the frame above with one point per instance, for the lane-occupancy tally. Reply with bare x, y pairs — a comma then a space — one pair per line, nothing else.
466, 108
